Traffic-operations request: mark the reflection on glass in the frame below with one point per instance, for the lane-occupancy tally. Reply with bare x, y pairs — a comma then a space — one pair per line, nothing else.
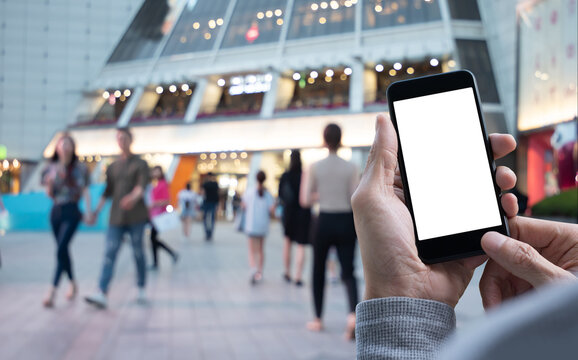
151, 23
164, 102
255, 22
387, 73
464, 9
198, 27
385, 13
104, 108
322, 88
239, 95
474, 56
319, 18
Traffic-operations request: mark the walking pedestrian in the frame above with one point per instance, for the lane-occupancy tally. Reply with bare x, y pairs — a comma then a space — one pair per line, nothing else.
66, 181
259, 206
296, 219
188, 205
210, 204
160, 199
126, 181
332, 181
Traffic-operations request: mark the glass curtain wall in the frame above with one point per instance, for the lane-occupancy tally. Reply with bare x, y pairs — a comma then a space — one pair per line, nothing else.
198, 27
385, 13
255, 22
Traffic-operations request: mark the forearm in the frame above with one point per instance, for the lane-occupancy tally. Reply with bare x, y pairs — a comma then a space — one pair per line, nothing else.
402, 328
160, 203
137, 192
100, 205
87, 201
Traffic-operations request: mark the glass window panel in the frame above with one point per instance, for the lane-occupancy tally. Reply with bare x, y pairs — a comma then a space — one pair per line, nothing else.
198, 27
319, 18
464, 9
255, 22
474, 56
145, 32
408, 70
164, 102
326, 88
382, 13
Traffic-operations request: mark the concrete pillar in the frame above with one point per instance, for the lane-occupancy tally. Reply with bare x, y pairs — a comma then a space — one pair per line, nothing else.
130, 107
196, 101
356, 86
268, 107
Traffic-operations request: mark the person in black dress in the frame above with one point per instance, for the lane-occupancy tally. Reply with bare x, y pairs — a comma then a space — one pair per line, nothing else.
296, 219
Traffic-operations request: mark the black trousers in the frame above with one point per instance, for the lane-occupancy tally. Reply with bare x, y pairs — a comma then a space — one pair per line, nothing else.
156, 244
64, 220
334, 229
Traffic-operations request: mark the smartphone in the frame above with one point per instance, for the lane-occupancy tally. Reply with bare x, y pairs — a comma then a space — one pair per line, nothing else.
446, 164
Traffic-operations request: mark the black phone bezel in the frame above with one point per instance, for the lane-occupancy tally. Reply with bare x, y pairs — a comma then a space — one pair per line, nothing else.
455, 246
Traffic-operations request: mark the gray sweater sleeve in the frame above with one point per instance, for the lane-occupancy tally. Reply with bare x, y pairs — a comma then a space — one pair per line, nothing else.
402, 328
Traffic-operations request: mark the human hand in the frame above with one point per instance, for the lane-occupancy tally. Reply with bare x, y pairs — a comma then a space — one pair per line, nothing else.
90, 218
385, 229
127, 202
546, 251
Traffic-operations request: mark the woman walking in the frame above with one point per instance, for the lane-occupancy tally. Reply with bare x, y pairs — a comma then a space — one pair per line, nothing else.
159, 199
66, 181
259, 206
332, 181
188, 200
296, 219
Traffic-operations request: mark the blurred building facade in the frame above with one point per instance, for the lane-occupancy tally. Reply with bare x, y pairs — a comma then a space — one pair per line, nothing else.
228, 86
50, 51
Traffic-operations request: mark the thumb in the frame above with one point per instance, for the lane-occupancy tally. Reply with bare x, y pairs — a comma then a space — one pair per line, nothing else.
521, 259
382, 159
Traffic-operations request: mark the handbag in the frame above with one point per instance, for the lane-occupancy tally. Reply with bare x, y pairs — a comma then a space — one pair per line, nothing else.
166, 221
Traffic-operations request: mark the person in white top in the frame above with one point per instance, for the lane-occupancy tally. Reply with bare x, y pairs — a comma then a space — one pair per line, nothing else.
259, 206
331, 182
188, 200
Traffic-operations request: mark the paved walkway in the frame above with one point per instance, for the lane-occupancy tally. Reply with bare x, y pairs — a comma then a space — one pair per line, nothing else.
201, 308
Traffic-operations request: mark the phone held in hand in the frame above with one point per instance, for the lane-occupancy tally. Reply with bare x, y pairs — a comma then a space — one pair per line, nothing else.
446, 164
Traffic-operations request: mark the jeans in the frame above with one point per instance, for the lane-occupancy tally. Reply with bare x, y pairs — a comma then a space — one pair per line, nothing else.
113, 241
64, 220
210, 212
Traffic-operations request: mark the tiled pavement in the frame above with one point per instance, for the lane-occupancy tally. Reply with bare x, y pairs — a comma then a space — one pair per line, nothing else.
201, 308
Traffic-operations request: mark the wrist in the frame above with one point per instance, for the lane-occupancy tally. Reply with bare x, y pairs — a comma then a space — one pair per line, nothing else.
409, 287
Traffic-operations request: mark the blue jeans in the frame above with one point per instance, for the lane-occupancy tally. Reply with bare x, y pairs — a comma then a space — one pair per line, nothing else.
113, 241
64, 219
210, 212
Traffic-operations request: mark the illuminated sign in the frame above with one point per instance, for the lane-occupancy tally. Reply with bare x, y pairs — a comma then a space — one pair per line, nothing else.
250, 84
3, 152
252, 34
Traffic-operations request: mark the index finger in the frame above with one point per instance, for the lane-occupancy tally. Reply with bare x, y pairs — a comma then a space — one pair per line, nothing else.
540, 233
502, 144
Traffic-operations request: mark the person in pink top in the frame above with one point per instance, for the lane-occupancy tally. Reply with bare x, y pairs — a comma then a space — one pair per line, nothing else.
159, 199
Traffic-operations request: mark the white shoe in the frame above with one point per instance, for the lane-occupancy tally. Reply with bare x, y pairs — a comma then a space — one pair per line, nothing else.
141, 297
98, 300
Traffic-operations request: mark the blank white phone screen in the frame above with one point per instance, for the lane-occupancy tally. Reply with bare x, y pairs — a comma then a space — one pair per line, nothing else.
449, 177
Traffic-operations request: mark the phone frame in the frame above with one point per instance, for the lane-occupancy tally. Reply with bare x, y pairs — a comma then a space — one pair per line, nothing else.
454, 246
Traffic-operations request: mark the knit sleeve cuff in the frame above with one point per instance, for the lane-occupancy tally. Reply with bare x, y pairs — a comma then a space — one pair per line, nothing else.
402, 328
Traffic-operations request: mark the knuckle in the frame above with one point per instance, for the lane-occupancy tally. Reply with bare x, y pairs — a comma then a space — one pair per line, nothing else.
524, 256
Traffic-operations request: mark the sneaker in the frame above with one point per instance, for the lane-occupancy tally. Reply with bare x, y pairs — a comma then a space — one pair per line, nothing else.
141, 297
98, 300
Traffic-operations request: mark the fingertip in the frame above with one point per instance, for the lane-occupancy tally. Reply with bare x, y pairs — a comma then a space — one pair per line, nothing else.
492, 242
510, 205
